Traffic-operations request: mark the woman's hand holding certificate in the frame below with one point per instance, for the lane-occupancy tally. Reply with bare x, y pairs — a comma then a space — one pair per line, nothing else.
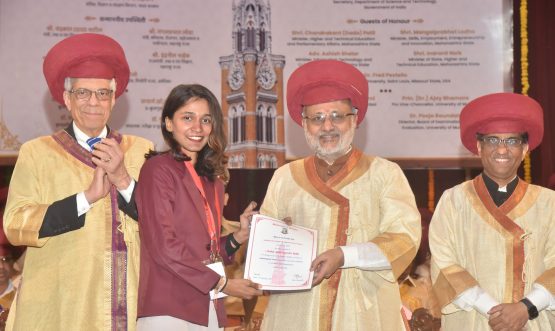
279, 255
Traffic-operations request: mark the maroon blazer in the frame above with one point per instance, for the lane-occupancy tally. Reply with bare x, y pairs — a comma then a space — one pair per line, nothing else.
174, 242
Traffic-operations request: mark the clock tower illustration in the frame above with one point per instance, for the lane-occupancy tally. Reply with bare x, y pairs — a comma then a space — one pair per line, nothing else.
252, 90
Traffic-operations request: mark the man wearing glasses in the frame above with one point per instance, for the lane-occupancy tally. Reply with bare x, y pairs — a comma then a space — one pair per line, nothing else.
492, 238
71, 199
362, 206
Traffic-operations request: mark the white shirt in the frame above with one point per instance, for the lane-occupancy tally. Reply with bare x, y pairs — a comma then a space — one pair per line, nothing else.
365, 256
478, 299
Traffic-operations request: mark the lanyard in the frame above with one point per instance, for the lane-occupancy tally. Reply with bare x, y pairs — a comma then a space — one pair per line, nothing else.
211, 223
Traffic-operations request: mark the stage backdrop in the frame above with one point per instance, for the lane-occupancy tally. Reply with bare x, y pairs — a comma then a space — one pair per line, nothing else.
424, 60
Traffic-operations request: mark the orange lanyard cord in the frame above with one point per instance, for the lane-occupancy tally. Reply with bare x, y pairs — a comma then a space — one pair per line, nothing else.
211, 222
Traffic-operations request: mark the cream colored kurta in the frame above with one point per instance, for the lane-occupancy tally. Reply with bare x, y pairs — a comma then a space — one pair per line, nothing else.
374, 197
67, 279
470, 247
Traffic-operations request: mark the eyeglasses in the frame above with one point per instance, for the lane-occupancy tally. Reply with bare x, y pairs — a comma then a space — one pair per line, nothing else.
334, 117
102, 94
493, 141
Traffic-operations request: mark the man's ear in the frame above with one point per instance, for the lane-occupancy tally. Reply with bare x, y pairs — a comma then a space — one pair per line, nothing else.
67, 100
525, 150
113, 101
479, 146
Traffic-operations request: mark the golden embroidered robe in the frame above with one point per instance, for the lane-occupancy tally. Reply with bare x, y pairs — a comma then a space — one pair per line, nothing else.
504, 249
368, 200
72, 280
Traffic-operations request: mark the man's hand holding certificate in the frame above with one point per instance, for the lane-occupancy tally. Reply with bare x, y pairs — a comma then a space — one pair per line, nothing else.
279, 255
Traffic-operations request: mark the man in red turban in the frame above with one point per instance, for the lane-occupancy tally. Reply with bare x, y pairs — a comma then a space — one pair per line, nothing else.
71, 199
362, 206
493, 253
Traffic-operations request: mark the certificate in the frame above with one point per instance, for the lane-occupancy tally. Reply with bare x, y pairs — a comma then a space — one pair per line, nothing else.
279, 255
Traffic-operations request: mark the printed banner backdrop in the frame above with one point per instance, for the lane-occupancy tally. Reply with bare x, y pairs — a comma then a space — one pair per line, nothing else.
424, 59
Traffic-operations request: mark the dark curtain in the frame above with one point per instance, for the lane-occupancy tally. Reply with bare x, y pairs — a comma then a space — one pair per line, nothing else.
246, 185
541, 71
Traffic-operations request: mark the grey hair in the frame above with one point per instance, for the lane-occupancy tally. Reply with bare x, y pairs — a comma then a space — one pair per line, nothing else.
68, 84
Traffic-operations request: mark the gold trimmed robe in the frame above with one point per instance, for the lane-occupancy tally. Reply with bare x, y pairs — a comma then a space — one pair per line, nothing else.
369, 199
67, 279
504, 250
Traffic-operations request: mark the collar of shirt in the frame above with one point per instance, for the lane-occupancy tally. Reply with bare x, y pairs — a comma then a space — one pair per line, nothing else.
499, 194
326, 171
82, 137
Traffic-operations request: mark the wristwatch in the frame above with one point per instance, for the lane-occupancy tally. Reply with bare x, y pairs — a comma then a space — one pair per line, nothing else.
532, 310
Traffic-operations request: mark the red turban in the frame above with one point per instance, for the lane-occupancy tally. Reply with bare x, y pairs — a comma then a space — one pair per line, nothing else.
86, 55
501, 113
323, 81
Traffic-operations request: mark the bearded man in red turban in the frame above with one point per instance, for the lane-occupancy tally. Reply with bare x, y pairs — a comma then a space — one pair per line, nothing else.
362, 206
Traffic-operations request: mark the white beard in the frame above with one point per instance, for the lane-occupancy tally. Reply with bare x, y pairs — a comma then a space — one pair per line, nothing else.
330, 154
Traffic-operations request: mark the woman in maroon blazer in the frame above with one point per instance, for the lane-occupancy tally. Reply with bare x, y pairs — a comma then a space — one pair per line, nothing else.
180, 200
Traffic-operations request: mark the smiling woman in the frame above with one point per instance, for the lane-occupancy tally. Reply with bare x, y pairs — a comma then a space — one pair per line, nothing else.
180, 201
191, 126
